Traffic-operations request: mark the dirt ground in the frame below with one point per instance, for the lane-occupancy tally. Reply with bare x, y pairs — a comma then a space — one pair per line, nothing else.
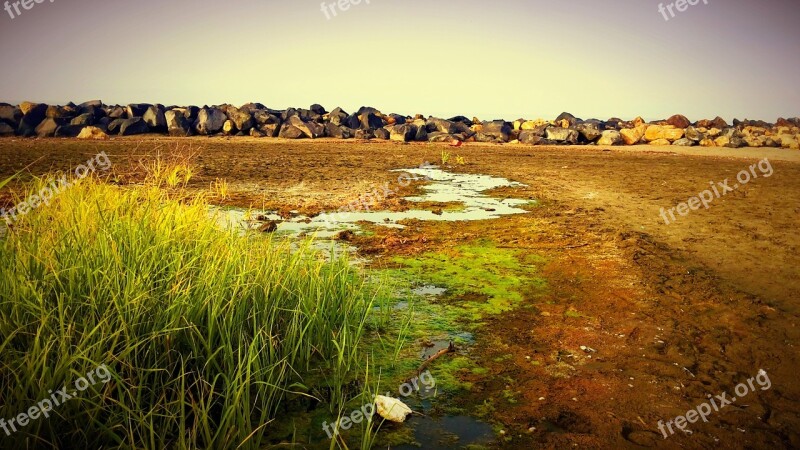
675, 312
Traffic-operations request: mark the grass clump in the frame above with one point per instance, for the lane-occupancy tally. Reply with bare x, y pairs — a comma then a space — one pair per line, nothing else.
205, 333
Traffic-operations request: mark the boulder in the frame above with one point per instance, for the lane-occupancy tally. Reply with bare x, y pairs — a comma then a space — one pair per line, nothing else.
571, 120
352, 121
706, 142
589, 131
192, 113
337, 131
716, 123
137, 109
58, 112
26, 107
91, 104
69, 131
177, 123
117, 112
370, 121
262, 117
403, 133
660, 142
632, 136
92, 133
363, 134
659, 132
683, 142
289, 131
114, 126
396, 119
155, 118
381, 133
252, 107
534, 125
497, 130
210, 121
694, 135
35, 115
48, 128
610, 137
565, 135
130, 127
422, 133
788, 141
438, 136
312, 130
84, 119
530, 137
337, 116
736, 142
269, 129
229, 127
242, 119
755, 141
679, 121
318, 109
441, 125
6, 129
256, 133
10, 114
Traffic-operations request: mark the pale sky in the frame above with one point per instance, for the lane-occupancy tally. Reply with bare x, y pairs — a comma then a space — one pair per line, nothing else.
501, 59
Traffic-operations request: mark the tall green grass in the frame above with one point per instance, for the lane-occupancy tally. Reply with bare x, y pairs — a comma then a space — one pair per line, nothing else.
205, 331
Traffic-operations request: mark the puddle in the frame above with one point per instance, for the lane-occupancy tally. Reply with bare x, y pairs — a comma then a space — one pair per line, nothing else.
434, 347
429, 290
448, 433
443, 187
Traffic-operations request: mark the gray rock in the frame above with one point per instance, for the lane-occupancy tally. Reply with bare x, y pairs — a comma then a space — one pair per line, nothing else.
441, 125
242, 119
114, 126
117, 112
262, 116
69, 131
565, 135
210, 121
403, 133
84, 119
10, 114
48, 127
363, 134
694, 135
289, 131
337, 131
136, 125
29, 122
589, 131
137, 109
6, 129
684, 142
177, 123
736, 142
155, 119
382, 134
312, 130
530, 137
610, 137
269, 129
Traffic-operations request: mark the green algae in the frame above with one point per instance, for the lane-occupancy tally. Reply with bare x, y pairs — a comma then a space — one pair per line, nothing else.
482, 278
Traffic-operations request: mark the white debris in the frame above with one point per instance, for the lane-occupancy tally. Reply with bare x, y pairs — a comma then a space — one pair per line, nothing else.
392, 409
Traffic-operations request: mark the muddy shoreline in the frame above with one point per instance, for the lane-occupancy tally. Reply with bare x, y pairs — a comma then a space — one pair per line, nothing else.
675, 312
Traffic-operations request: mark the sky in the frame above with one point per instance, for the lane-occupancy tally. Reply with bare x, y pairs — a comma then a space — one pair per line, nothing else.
502, 59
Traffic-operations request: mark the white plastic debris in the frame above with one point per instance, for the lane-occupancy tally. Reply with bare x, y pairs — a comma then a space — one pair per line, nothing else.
392, 409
